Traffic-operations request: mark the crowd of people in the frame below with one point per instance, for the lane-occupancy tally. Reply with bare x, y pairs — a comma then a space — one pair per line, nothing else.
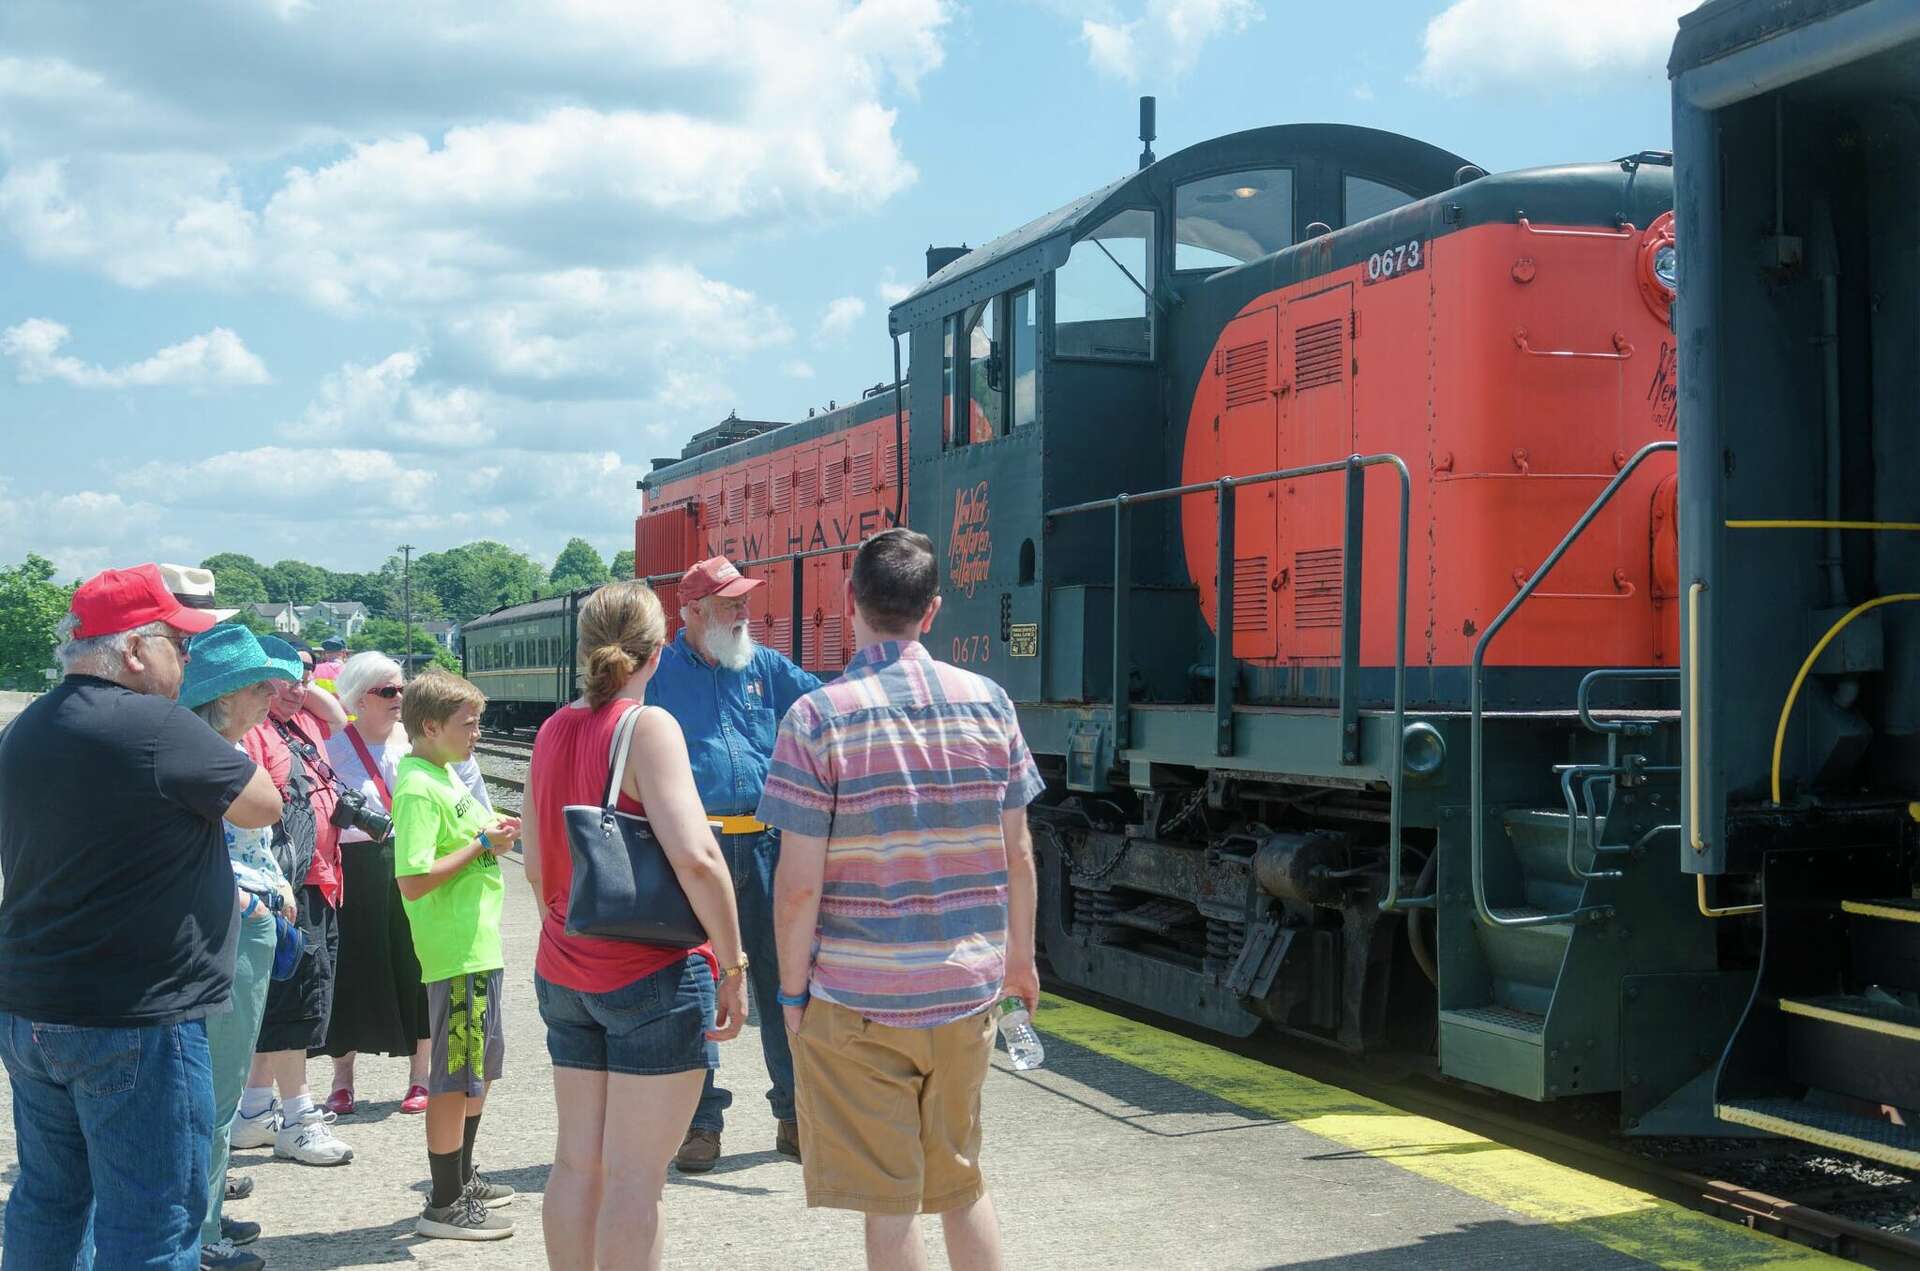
226, 854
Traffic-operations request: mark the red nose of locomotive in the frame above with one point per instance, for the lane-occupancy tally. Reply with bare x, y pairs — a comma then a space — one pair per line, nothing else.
1515, 366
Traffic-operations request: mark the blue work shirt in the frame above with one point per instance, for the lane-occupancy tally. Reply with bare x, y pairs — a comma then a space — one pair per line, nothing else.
730, 718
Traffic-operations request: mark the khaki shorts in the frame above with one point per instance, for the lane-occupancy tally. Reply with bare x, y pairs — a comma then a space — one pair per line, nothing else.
890, 1117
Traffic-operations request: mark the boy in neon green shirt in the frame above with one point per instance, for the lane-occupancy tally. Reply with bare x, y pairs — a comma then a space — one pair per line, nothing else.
444, 841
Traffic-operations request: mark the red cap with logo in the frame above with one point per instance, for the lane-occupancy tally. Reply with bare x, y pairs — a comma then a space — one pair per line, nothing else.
117, 600
714, 576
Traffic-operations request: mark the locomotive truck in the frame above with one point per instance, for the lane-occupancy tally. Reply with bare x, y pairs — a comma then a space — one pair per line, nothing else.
1314, 495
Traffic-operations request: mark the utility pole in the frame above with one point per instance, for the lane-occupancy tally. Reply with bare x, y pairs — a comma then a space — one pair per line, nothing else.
406, 592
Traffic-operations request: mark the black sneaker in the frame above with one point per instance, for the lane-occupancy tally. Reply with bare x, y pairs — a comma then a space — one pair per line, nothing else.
236, 1232
222, 1256
467, 1218
239, 1187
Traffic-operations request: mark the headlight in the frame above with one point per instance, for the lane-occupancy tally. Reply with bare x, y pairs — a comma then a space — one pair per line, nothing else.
1666, 260
1658, 272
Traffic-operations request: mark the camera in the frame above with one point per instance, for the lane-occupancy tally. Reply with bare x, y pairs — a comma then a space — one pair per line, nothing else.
355, 812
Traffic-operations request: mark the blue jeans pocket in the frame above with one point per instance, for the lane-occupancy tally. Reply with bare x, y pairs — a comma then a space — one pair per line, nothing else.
95, 1061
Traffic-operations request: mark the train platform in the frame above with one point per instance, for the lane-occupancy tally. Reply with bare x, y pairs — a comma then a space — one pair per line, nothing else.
1131, 1148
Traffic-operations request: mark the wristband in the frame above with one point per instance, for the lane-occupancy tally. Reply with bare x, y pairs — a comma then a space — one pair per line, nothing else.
253, 902
785, 999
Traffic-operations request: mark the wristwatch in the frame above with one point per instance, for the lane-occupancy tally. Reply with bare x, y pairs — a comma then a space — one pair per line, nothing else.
726, 971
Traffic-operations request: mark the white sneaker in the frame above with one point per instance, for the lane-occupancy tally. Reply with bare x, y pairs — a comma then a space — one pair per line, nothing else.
256, 1131
310, 1142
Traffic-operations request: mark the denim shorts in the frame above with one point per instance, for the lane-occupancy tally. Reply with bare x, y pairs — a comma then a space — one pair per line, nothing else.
653, 1027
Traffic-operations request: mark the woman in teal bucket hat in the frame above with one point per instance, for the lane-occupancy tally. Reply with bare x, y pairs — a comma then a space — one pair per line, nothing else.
227, 684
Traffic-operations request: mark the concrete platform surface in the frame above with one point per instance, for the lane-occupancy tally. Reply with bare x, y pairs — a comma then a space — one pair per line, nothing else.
1132, 1148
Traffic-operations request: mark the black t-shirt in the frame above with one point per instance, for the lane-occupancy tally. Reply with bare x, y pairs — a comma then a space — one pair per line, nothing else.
118, 908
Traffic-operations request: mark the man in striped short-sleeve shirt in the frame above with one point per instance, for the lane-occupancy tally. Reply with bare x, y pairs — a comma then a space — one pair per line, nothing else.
903, 910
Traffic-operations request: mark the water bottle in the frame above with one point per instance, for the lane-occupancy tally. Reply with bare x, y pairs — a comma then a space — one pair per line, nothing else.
1016, 1029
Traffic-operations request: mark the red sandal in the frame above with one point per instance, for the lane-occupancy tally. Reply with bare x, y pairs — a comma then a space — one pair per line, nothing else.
416, 1100
340, 1102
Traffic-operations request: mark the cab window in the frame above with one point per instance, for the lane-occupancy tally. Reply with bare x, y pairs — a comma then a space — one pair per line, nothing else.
1023, 343
1102, 296
1366, 198
1226, 220
986, 375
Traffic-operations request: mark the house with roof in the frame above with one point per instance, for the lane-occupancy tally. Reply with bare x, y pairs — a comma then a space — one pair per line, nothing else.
285, 618
443, 631
346, 617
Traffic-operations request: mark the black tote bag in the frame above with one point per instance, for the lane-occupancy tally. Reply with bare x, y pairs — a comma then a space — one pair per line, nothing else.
624, 887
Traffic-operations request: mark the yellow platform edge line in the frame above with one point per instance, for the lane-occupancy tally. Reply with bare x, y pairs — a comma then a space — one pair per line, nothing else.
1620, 1218
1867, 909
1891, 1028
1825, 1138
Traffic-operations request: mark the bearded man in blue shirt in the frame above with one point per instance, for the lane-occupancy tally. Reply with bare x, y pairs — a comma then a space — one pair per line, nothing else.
729, 694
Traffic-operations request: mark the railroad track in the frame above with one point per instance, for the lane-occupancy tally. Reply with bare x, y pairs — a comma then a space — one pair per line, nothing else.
1685, 1179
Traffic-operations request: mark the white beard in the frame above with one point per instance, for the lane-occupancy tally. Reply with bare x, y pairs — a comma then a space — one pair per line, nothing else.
731, 647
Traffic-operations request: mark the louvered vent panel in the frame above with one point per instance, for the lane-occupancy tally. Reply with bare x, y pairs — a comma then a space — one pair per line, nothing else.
809, 643
1316, 587
833, 477
1245, 370
710, 509
889, 464
782, 493
1318, 354
736, 502
757, 499
806, 486
833, 650
863, 472
1251, 599
782, 637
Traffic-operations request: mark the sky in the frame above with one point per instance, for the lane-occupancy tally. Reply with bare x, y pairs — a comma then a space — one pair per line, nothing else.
313, 278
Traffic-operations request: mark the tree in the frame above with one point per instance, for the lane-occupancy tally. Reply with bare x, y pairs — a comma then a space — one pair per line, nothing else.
622, 566
253, 622
578, 560
294, 582
475, 579
237, 579
315, 629
31, 605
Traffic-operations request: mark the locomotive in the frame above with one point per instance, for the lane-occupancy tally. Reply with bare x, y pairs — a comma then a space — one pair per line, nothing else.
1315, 496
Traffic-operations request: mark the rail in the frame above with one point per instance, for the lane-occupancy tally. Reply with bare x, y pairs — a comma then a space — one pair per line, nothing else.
1477, 686
1225, 664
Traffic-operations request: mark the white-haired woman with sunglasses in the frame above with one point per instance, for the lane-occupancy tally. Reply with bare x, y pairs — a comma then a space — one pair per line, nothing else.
378, 1002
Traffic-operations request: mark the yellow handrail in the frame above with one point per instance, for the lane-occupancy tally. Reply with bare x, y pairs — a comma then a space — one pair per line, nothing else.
1786, 707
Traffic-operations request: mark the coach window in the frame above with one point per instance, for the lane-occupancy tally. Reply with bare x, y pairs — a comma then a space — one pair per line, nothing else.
1366, 199
955, 435
1023, 356
986, 373
1226, 220
1102, 296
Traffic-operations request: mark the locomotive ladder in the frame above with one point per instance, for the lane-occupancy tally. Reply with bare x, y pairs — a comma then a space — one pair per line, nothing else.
1224, 663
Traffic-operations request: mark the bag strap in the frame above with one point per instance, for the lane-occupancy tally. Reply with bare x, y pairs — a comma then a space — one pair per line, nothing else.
617, 756
373, 768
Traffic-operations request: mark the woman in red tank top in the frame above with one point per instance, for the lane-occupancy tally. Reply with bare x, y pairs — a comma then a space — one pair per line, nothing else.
631, 1027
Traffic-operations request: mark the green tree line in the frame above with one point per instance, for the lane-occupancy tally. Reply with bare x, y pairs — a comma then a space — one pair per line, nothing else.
458, 584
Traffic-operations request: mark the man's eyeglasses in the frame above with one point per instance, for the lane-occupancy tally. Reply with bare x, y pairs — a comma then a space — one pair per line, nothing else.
388, 691
179, 643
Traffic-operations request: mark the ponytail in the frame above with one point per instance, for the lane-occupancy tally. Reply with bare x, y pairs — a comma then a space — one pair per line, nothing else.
621, 627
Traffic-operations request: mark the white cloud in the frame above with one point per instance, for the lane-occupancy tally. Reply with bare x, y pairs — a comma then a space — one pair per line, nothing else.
1541, 44
840, 317
218, 357
382, 403
794, 368
1173, 33
81, 532
891, 290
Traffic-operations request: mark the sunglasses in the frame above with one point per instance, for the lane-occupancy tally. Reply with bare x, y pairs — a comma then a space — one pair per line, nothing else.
179, 643
388, 691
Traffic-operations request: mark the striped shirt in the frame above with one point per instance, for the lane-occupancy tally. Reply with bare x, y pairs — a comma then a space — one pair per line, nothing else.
904, 765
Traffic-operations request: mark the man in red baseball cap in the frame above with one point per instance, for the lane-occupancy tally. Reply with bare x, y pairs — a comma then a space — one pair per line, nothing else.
728, 693
127, 625
118, 918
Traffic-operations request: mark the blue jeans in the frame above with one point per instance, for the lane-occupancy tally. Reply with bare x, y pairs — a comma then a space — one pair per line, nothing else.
751, 858
230, 1038
112, 1125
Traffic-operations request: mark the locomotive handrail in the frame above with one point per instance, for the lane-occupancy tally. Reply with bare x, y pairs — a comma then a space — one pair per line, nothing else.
1583, 700
1353, 566
1476, 751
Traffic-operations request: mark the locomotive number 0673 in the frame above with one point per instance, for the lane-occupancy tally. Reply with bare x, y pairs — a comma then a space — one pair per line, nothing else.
1403, 258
